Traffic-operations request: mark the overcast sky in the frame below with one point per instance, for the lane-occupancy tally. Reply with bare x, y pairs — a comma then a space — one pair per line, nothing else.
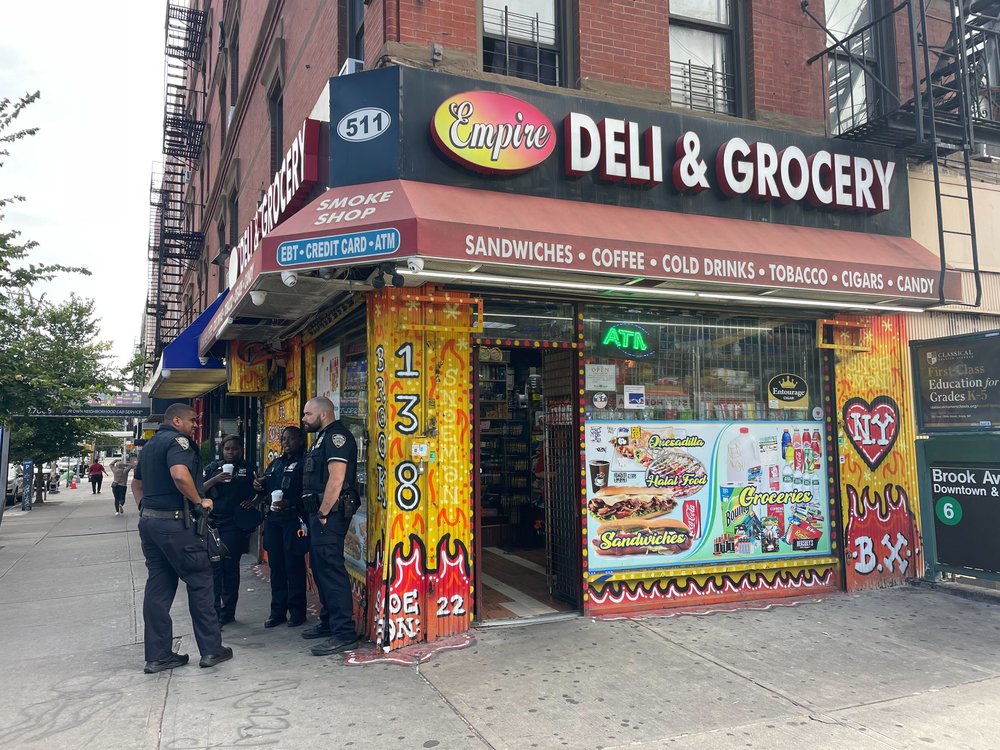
85, 175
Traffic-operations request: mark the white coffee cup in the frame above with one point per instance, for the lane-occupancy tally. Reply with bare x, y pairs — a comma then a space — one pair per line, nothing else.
277, 496
227, 468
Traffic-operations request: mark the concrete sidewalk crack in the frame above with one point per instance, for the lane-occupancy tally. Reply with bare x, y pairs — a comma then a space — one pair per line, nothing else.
454, 709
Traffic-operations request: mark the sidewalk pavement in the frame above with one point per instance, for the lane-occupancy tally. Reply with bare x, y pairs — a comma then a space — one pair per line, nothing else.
908, 667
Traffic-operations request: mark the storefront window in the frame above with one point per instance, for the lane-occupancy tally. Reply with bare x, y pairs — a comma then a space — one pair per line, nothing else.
701, 443
526, 319
646, 364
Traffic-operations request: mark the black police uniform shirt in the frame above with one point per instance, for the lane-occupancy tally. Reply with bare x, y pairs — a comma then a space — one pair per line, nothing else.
167, 448
335, 443
285, 473
228, 495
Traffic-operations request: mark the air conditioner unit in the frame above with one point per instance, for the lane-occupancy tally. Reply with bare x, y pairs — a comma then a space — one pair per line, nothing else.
229, 116
351, 65
186, 176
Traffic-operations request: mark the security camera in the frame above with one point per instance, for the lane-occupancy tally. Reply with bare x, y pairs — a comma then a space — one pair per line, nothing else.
415, 265
289, 278
259, 296
204, 360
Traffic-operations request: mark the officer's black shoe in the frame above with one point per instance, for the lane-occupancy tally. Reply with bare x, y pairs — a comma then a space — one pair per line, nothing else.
226, 619
175, 660
296, 622
334, 646
212, 659
316, 631
273, 622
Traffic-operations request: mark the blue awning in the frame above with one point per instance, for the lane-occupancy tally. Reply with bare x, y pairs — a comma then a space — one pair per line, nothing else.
181, 372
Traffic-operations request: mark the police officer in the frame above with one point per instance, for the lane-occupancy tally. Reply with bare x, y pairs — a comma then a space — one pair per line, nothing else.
284, 538
330, 468
229, 490
167, 477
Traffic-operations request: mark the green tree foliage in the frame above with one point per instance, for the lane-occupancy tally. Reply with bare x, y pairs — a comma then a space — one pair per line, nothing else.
50, 356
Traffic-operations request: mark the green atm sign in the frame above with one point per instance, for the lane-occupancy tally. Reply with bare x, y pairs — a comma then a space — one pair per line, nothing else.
629, 339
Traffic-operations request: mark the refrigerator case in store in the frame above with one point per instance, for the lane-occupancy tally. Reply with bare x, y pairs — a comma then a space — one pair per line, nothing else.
664, 494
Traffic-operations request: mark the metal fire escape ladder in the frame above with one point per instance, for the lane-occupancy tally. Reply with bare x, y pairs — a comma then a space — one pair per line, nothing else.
174, 248
947, 93
937, 121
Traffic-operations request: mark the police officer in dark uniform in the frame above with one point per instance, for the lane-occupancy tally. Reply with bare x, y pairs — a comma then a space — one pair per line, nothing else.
167, 477
330, 471
229, 490
284, 538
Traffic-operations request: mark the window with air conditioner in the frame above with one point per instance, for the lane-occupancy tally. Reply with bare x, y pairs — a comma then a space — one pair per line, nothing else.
703, 72
523, 39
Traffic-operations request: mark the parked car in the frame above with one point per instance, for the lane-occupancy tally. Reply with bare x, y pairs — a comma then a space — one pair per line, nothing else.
15, 484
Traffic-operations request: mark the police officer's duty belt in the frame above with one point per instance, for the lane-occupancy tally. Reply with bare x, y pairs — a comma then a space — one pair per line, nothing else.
150, 513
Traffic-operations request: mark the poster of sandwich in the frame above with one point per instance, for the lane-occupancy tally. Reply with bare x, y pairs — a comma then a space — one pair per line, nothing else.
663, 494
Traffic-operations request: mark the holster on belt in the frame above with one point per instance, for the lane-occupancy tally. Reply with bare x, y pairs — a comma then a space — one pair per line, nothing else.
311, 502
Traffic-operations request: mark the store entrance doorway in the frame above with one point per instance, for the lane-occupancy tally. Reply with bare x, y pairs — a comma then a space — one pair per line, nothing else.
528, 557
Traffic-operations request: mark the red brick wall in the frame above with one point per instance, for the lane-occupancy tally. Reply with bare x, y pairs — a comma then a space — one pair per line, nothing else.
780, 38
624, 41
451, 23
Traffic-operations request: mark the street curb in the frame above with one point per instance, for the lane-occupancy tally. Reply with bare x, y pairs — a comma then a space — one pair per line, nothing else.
975, 593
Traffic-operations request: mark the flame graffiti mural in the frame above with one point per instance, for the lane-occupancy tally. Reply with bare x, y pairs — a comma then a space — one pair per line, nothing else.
878, 473
419, 527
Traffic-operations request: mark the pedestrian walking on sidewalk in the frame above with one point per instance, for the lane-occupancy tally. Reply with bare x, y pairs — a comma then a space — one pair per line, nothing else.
97, 473
167, 477
120, 470
284, 538
330, 471
229, 490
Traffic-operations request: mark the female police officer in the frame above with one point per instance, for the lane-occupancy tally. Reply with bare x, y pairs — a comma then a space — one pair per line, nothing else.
229, 490
284, 538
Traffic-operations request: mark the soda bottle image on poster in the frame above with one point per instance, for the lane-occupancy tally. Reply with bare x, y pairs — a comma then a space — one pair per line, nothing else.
663, 494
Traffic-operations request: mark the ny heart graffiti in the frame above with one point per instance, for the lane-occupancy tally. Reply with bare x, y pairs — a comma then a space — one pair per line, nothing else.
872, 427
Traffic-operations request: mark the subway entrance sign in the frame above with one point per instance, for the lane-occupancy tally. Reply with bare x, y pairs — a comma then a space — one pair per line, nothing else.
966, 505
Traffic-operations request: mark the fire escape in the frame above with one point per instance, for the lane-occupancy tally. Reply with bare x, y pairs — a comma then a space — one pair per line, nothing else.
174, 247
922, 76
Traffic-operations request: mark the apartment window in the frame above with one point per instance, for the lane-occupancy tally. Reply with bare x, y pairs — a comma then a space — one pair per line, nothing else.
854, 97
356, 29
221, 229
223, 114
234, 66
522, 38
703, 55
276, 116
233, 206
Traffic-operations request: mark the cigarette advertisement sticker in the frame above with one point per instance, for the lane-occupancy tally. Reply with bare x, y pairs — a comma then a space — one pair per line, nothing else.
662, 494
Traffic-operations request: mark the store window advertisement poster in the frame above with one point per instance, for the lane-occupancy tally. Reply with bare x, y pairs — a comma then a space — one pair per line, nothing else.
662, 494
328, 375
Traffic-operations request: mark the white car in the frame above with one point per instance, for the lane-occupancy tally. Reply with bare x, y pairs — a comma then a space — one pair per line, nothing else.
15, 484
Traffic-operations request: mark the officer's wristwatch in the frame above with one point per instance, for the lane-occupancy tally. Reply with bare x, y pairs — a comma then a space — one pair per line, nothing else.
322, 516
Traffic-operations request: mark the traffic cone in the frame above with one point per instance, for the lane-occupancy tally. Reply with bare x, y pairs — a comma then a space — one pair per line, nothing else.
73, 485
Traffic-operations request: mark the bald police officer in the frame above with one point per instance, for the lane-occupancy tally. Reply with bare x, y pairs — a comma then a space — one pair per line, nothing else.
167, 477
331, 466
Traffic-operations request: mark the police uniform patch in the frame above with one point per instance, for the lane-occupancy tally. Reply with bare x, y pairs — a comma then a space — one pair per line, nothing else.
338, 440
183, 443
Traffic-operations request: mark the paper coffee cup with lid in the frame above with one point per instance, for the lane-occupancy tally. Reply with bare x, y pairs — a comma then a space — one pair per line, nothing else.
277, 500
227, 468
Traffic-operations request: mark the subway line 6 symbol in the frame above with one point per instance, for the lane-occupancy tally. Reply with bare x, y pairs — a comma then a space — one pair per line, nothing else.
407, 491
